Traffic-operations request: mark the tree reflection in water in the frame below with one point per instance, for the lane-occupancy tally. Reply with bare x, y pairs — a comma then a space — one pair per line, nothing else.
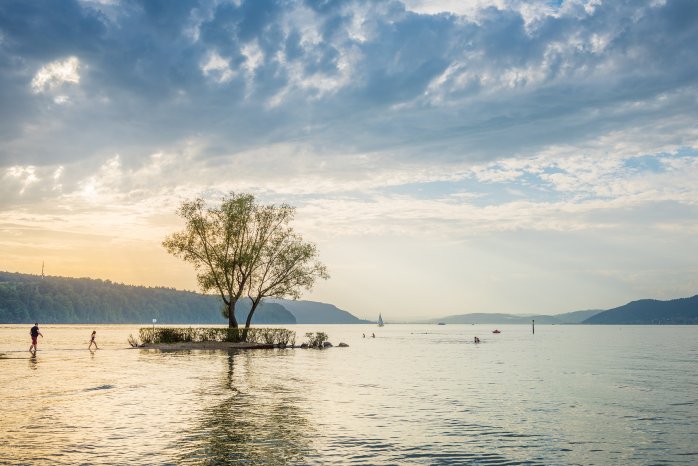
258, 420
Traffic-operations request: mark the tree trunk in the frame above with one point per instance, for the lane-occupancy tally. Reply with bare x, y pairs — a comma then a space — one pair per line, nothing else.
232, 321
249, 320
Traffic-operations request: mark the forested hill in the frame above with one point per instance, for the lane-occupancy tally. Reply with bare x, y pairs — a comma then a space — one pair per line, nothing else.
29, 298
651, 311
313, 312
492, 318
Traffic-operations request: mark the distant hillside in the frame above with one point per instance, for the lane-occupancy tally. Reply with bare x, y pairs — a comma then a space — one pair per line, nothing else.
576, 317
28, 298
269, 313
494, 318
312, 312
650, 311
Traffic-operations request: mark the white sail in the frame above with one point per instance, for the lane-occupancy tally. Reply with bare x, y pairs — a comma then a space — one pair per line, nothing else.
380, 320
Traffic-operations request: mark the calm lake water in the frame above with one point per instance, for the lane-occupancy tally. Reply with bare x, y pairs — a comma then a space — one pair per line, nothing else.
416, 394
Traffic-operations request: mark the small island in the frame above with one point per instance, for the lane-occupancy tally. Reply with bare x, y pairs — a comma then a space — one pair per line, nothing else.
200, 338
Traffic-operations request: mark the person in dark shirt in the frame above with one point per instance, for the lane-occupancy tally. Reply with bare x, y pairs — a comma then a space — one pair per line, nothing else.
35, 333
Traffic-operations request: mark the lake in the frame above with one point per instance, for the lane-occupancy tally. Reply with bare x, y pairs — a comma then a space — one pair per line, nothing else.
415, 394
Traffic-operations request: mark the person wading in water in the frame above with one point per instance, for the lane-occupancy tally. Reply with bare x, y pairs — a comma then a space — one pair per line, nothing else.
35, 333
92, 340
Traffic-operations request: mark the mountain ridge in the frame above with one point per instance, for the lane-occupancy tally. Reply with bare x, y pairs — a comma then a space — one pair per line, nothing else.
26, 298
679, 311
314, 312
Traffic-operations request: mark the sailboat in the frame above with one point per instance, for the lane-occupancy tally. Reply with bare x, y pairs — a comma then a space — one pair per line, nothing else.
380, 321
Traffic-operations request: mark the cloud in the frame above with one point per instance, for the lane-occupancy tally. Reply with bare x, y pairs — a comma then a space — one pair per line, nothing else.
25, 176
218, 67
407, 78
430, 120
55, 74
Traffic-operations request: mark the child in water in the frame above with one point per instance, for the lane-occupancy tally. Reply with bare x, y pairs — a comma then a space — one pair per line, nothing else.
92, 340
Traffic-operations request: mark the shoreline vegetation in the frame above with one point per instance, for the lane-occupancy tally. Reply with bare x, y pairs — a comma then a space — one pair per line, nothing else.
169, 338
255, 335
207, 345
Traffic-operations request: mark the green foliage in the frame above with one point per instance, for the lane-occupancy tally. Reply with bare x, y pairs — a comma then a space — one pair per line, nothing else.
270, 336
215, 241
317, 339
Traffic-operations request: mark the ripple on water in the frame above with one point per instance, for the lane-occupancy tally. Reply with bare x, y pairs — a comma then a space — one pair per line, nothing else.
100, 387
406, 399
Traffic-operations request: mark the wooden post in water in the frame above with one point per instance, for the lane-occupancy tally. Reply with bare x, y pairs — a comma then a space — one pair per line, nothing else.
533, 326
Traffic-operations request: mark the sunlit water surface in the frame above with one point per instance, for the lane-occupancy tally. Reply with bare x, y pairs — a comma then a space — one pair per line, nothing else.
416, 394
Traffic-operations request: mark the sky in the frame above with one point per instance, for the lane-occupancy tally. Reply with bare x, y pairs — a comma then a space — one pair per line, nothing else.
446, 156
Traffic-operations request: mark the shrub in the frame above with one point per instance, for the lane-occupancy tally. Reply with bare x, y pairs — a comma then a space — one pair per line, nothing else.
146, 335
133, 341
270, 336
316, 340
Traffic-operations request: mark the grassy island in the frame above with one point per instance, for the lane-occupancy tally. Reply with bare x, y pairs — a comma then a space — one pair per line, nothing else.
175, 338
199, 337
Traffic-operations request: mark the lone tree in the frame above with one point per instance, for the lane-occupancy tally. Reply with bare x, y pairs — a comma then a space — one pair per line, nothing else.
242, 248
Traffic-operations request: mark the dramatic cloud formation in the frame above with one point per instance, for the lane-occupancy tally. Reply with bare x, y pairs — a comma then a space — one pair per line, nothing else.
493, 155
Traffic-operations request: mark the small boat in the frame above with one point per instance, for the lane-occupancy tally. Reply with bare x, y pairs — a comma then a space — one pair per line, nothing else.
380, 321
441, 323
496, 331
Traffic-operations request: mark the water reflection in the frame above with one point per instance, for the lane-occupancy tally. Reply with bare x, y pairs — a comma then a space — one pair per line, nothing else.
255, 420
577, 395
32, 362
